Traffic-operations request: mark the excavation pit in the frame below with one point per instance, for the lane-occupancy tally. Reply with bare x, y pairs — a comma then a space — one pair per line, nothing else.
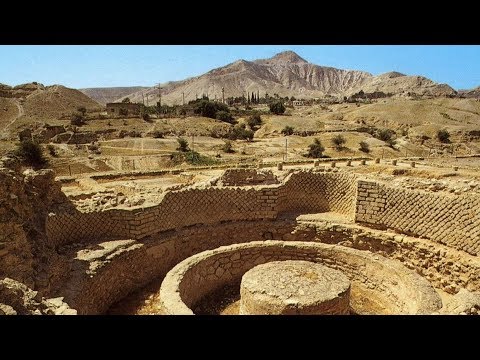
294, 288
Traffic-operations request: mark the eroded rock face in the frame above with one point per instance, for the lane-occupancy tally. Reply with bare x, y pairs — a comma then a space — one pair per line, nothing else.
25, 199
294, 287
18, 299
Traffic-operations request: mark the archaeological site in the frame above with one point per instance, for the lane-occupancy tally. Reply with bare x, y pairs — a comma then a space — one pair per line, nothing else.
333, 192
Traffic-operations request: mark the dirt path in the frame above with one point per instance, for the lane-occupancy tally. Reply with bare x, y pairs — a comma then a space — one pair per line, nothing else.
21, 112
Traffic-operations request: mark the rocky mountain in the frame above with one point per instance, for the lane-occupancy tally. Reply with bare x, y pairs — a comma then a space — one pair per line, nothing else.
111, 94
471, 93
287, 74
400, 84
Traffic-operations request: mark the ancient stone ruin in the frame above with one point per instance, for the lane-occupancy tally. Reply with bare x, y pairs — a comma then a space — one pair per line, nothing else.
299, 240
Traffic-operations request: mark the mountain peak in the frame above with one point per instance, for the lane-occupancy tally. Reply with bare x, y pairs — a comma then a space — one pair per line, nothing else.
288, 56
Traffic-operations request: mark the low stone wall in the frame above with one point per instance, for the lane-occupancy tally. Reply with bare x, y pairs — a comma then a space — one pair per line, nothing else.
397, 289
313, 192
447, 219
300, 192
105, 272
245, 177
444, 267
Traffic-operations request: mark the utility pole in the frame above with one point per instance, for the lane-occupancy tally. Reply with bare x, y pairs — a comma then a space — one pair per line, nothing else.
143, 99
183, 98
223, 95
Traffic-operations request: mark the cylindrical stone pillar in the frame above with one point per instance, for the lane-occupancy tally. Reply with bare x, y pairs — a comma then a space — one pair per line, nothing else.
294, 287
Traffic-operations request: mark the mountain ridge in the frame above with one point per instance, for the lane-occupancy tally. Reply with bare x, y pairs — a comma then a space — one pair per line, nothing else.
287, 74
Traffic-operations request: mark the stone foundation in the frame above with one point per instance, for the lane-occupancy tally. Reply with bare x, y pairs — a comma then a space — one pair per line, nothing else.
294, 288
394, 288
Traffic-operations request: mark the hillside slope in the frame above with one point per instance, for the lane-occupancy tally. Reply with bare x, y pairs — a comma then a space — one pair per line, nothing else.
287, 74
111, 94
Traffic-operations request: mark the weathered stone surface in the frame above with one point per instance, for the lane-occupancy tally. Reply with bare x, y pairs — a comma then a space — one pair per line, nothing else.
398, 289
294, 287
16, 298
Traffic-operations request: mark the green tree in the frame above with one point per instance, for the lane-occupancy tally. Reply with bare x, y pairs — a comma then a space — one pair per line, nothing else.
316, 149
209, 108
254, 121
240, 132
387, 136
224, 116
287, 130
338, 141
443, 136
277, 107
31, 153
364, 147
182, 145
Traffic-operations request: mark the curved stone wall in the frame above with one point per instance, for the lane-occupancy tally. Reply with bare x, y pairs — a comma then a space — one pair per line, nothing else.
321, 192
395, 288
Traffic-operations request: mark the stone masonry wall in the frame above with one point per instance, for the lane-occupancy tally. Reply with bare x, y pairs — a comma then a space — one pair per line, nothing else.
447, 219
310, 192
400, 290
103, 273
306, 191
242, 177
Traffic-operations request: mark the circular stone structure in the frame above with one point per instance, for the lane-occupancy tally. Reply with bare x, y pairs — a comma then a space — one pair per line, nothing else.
294, 287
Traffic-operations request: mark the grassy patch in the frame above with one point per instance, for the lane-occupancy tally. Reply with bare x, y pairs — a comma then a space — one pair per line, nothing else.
192, 157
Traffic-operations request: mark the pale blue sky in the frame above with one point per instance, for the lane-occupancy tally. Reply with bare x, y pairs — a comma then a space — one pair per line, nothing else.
80, 66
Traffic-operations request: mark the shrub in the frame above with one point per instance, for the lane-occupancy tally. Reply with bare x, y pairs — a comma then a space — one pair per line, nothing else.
385, 134
287, 130
77, 119
338, 141
209, 109
277, 107
146, 117
31, 153
224, 116
254, 121
241, 133
316, 149
192, 158
443, 136
364, 147
228, 147
158, 134
126, 100
82, 110
52, 151
182, 145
